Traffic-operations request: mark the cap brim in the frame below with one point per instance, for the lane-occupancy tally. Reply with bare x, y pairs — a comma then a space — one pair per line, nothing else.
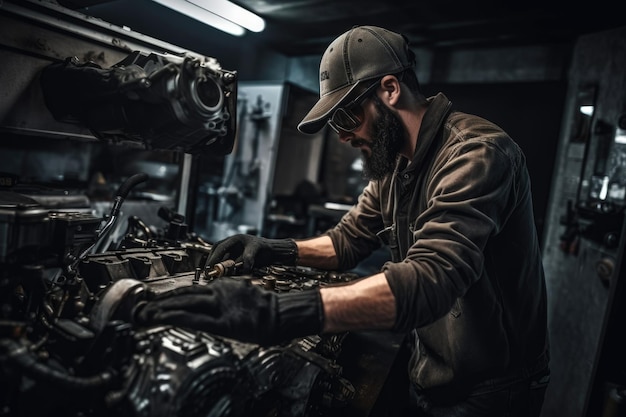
317, 116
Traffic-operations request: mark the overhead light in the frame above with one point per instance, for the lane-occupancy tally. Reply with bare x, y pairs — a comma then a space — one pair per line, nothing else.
232, 12
221, 14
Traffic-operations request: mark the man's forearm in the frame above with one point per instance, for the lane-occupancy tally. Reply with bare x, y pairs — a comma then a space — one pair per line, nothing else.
317, 252
366, 304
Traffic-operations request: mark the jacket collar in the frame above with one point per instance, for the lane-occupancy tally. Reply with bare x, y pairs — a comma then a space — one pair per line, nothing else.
434, 118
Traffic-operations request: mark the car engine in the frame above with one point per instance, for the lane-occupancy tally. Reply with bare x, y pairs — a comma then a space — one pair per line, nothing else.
68, 345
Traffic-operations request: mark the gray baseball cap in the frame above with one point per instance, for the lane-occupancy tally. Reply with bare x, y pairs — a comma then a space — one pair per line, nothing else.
361, 54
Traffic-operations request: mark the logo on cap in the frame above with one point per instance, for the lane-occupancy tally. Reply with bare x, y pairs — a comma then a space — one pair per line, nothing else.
324, 75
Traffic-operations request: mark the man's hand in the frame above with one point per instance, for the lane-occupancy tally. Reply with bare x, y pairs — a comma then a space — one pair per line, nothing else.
237, 309
254, 251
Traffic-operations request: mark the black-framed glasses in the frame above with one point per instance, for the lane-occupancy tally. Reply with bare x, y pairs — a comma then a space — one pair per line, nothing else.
344, 118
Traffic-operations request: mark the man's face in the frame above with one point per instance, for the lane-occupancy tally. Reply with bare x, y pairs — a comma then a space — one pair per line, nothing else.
387, 137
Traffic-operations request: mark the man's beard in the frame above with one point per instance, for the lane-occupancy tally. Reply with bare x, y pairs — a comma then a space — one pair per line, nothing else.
388, 135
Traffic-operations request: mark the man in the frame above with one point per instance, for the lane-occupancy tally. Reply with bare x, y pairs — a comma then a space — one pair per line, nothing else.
450, 194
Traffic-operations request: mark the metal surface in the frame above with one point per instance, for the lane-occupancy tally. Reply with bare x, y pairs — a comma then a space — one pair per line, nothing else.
72, 345
36, 34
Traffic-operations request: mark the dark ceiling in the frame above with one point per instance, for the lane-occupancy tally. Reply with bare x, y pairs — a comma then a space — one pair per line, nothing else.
306, 27
309, 26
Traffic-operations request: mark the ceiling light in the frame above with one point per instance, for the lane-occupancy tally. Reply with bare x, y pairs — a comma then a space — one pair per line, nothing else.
202, 15
232, 12
221, 14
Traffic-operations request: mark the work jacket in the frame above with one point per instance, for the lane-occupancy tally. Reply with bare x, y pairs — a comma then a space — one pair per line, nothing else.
466, 268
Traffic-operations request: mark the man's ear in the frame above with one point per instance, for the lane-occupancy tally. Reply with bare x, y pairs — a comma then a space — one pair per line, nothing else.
391, 90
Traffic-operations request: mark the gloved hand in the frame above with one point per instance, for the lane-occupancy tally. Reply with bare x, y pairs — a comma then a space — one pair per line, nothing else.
237, 309
254, 251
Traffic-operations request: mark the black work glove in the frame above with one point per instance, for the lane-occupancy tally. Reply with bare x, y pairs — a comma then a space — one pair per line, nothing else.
237, 309
254, 251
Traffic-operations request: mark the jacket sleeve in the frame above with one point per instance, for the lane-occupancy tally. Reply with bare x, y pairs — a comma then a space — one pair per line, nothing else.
355, 236
470, 194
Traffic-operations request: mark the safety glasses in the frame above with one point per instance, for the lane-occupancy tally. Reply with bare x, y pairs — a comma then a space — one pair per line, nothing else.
345, 118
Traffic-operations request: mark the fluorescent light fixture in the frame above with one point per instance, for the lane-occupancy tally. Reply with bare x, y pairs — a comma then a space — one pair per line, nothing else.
202, 15
221, 14
232, 12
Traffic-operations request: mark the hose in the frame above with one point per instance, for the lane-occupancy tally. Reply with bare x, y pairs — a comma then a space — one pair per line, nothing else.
26, 361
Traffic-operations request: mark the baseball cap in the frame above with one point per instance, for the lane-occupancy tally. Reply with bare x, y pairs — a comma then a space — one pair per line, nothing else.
361, 54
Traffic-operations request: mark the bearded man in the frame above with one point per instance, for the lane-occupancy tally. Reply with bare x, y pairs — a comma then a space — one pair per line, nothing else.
450, 194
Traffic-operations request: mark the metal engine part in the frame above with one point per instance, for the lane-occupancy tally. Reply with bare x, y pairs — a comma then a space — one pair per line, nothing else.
68, 345
161, 101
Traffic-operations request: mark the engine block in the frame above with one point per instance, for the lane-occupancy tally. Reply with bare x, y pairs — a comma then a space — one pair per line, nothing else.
67, 338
